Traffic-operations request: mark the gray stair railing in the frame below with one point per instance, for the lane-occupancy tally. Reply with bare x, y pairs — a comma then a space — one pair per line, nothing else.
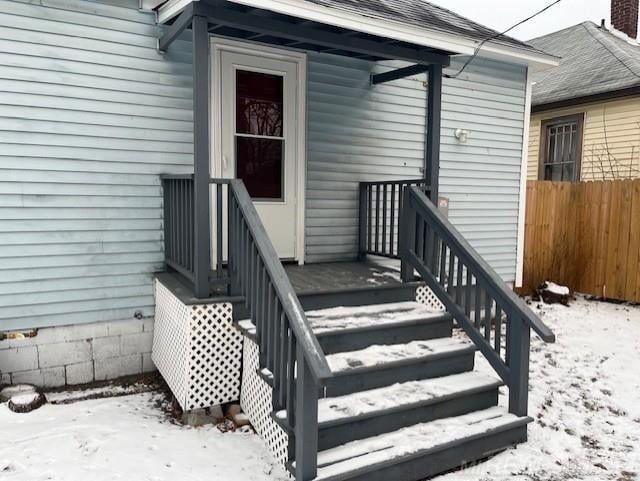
380, 210
184, 250
287, 345
472, 292
179, 224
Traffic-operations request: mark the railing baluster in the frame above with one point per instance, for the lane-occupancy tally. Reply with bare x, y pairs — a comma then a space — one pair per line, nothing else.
284, 355
370, 218
498, 330
377, 229
478, 305
452, 262
393, 248
459, 282
443, 264
487, 316
219, 228
468, 293
384, 219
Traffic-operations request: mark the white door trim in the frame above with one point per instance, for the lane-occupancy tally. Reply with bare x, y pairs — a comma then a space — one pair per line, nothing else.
220, 45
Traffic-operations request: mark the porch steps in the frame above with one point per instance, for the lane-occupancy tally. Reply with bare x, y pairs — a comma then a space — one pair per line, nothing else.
405, 402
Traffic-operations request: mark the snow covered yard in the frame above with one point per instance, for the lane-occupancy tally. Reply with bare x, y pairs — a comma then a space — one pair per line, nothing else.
585, 395
125, 438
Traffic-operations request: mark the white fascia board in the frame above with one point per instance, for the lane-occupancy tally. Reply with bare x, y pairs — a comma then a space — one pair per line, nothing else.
400, 31
150, 5
172, 8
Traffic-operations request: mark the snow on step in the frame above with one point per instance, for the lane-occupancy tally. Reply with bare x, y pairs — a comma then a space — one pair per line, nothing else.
363, 316
377, 355
403, 394
369, 452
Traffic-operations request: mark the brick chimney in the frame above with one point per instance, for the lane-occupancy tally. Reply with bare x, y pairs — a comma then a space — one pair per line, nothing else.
624, 16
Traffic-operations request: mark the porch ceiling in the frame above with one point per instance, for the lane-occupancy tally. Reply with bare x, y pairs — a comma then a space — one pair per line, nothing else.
255, 24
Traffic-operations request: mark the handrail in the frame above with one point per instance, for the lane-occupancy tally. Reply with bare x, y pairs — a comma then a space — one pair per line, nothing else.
288, 348
484, 269
282, 285
471, 291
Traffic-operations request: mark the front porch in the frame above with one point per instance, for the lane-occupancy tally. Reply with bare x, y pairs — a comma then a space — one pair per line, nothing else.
234, 321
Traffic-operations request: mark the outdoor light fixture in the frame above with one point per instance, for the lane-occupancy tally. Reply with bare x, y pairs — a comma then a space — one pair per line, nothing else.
462, 135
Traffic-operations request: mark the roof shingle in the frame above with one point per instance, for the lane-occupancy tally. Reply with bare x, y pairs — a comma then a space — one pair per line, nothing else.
422, 14
593, 61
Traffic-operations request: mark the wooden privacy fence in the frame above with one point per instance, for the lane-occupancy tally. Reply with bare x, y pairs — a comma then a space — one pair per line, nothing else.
585, 235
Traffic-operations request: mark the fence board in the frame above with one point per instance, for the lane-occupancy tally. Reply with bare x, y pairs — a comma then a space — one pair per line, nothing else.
584, 235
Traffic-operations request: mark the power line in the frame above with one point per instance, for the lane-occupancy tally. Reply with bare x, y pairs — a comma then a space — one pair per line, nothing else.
497, 35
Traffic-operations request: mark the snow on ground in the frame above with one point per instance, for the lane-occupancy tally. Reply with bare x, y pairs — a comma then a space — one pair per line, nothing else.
584, 396
124, 438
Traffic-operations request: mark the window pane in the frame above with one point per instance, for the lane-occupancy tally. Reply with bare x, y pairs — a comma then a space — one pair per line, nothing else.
259, 165
562, 151
259, 101
567, 172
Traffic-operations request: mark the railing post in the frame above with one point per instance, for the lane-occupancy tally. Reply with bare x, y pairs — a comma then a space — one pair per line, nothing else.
407, 235
518, 362
306, 429
362, 226
201, 200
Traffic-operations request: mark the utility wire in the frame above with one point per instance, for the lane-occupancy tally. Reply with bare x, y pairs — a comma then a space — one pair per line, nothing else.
497, 35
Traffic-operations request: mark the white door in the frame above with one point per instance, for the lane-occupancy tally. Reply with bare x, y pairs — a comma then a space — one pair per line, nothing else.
259, 138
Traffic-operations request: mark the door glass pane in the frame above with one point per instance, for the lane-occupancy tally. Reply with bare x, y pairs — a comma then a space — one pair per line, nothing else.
259, 165
259, 102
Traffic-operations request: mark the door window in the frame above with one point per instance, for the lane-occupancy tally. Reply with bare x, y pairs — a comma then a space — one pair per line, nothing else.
259, 127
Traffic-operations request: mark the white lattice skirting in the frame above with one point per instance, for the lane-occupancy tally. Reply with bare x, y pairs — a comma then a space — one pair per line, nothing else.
197, 350
256, 401
425, 295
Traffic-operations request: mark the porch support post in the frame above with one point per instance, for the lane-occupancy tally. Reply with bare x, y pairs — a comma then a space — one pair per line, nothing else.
201, 201
432, 137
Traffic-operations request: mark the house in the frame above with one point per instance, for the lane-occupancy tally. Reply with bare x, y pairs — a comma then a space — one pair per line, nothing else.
585, 113
209, 187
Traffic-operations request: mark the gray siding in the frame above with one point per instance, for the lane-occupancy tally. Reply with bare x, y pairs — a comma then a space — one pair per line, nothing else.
90, 114
359, 133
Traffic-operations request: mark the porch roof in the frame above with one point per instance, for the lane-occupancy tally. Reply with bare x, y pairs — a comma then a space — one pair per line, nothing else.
405, 23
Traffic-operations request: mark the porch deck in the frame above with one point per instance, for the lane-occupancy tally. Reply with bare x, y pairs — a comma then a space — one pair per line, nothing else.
344, 282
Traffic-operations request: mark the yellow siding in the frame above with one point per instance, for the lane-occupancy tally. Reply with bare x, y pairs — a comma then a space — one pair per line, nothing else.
608, 153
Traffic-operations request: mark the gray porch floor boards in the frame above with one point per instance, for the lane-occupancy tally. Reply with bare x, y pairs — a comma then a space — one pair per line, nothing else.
336, 276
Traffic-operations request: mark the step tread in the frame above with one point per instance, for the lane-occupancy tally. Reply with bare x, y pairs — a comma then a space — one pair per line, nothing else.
340, 409
368, 454
378, 355
364, 403
376, 315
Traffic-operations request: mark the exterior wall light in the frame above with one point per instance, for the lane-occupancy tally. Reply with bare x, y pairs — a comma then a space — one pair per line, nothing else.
462, 135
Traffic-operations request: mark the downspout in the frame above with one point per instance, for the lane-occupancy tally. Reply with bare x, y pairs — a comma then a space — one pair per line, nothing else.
522, 202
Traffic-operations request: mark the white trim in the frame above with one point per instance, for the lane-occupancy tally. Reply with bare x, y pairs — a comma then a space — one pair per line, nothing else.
149, 5
399, 31
522, 203
172, 8
219, 45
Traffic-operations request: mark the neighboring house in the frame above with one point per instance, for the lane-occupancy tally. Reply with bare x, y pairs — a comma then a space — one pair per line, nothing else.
585, 115
317, 132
